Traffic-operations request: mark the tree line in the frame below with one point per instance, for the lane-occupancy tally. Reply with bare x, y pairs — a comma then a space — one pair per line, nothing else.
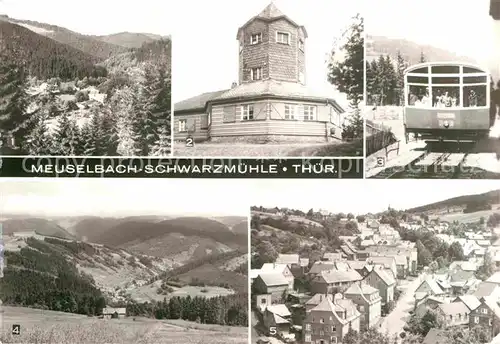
385, 79
38, 276
229, 310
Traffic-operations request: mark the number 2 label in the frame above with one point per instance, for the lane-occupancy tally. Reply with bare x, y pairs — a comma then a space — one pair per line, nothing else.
189, 142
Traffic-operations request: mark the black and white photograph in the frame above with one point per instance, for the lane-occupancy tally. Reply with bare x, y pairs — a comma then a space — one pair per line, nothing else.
123, 261
433, 90
380, 266
87, 80
269, 78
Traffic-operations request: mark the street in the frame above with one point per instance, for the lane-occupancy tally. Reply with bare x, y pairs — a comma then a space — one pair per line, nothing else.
393, 324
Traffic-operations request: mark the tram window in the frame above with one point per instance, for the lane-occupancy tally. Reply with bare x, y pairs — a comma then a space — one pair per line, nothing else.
445, 69
423, 70
418, 95
475, 79
417, 79
448, 96
446, 80
472, 70
475, 96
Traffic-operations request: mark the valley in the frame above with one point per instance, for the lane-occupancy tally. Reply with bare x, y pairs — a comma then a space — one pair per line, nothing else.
66, 93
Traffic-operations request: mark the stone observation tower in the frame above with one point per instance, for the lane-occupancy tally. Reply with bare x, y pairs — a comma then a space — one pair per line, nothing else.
272, 46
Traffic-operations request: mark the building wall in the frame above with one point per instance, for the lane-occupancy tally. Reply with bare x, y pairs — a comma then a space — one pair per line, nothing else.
488, 320
386, 292
278, 61
193, 125
370, 311
269, 119
314, 331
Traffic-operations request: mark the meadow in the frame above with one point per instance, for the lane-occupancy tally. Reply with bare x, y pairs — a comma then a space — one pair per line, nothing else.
49, 327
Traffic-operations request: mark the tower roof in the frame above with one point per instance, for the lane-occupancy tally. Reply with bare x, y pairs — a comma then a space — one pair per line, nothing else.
271, 13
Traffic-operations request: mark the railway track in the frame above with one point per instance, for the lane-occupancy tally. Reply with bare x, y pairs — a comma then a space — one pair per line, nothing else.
432, 165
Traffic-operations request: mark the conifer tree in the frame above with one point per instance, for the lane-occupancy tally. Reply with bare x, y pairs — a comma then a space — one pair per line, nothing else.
66, 137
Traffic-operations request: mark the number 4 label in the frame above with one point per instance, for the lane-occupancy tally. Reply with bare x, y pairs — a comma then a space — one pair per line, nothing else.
16, 330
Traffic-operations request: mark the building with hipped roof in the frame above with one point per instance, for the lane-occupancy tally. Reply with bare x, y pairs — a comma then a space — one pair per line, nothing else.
334, 281
278, 317
383, 281
368, 301
270, 101
329, 318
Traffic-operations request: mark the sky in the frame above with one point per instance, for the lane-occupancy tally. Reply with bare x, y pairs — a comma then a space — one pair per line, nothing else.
122, 197
96, 17
460, 26
205, 49
362, 197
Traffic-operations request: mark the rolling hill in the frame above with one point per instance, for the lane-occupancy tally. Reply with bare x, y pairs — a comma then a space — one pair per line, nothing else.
39, 225
88, 44
380, 45
139, 231
492, 197
44, 57
128, 39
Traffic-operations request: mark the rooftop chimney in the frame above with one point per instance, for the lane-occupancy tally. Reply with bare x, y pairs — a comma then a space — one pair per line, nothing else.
234, 84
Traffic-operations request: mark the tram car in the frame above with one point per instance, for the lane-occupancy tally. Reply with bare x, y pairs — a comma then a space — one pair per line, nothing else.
447, 101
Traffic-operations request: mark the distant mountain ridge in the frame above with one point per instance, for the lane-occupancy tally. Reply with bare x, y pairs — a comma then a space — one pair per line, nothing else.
491, 197
381, 45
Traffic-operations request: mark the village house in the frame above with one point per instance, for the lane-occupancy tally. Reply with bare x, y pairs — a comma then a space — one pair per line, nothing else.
470, 301
487, 289
426, 303
429, 286
383, 281
454, 314
368, 301
296, 264
486, 315
113, 313
279, 317
332, 256
330, 320
274, 284
334, 281
270, 268
401, 250
387, 262
271, 99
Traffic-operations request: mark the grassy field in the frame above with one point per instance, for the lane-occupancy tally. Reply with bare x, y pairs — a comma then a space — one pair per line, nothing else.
349, 149
50, 327
471, 217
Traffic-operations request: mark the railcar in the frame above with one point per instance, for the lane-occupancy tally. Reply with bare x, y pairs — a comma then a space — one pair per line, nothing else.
447, 101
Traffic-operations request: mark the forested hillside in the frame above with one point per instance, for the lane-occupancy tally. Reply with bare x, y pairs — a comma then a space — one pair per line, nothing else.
62, 93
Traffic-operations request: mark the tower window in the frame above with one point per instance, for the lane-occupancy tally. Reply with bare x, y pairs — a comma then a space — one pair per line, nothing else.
301, 44
256, 73
256, 38
283, 37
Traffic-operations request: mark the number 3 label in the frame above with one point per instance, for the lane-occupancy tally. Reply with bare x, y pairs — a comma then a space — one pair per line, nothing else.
380, 162
189, 142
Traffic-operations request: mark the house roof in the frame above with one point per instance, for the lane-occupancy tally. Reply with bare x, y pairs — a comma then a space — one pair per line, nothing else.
280, 309
454, 308
335, 276
273, 267
254, 273
332, 256
363, 289
288, 259
197, 103
346, 249
443, 284
356, 264
433, 285
273, 279
327, 305
317, 298
381, 260
471, 301
275, 88
321, 266
271, 13
495, 278
304, 262
485, 289
386, 277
